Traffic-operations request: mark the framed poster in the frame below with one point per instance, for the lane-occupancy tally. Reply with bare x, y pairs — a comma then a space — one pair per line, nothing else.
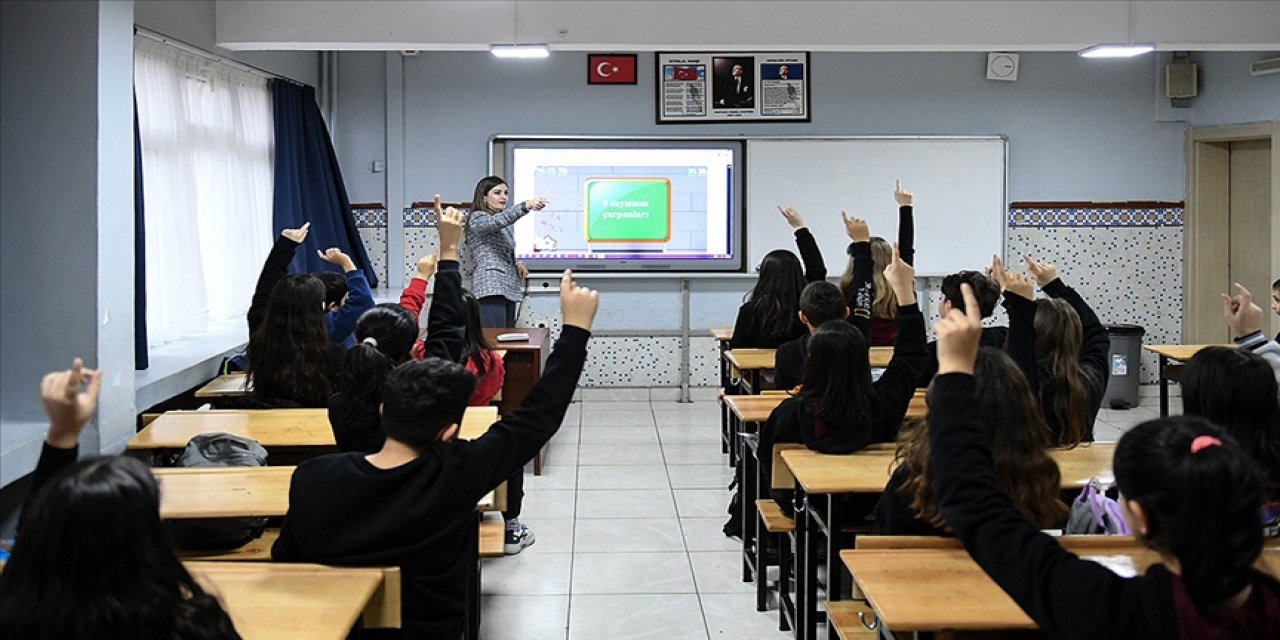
732, 87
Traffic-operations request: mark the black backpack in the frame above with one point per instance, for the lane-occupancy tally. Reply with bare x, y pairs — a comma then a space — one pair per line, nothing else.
733, 527
208, 534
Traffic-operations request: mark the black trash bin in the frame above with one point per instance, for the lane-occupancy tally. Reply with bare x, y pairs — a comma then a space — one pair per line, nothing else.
1123, 361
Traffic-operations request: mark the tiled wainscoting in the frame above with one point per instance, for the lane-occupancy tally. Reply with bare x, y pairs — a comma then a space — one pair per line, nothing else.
1124, 258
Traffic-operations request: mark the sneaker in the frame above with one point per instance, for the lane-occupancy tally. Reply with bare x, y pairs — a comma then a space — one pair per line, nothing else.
516, 538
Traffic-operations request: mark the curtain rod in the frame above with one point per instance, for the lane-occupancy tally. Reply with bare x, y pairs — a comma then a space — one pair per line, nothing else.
190, 48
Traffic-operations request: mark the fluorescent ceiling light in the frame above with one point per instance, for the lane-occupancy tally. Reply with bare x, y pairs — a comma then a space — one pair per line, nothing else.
519, 50
1116, 50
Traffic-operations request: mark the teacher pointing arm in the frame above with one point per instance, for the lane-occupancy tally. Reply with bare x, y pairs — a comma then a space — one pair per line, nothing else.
496, 279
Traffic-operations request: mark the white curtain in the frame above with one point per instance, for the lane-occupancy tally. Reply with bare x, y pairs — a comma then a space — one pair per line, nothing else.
207, 140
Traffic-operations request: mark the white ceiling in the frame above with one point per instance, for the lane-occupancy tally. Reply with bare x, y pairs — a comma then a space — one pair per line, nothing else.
636, 25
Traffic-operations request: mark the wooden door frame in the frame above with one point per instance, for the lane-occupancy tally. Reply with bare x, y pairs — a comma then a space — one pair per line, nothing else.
1205, 237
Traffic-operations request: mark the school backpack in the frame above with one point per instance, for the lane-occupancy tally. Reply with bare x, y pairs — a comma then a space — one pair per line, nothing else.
207, 534
733, 527
1093, 512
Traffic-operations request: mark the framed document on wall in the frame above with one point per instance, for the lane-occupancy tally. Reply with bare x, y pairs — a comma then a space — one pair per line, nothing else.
732, 87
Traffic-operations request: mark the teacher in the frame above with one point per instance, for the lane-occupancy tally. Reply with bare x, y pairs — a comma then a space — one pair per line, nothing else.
497, 277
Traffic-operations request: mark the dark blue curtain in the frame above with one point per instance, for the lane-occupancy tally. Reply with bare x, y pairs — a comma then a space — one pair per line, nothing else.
308, 182
141, 358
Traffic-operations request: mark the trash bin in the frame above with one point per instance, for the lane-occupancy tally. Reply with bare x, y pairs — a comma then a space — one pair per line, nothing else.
1123, 360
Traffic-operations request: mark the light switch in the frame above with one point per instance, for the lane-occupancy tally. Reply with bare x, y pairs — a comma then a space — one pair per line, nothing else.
379, 166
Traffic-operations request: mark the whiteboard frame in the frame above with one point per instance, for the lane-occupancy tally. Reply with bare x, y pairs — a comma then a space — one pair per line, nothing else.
496, 149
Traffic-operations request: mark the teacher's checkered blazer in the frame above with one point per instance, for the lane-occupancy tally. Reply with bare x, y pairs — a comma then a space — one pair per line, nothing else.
491, 244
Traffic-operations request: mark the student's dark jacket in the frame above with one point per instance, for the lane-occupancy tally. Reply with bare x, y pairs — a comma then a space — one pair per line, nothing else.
788, 362
1066, 596
747, 334
1021, 346
793, 421
791, 355
357, 426
994, 337
894, 515
345, 511
275, 269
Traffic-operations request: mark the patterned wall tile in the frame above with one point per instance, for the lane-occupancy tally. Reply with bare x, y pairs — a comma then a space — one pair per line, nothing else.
375, 245
373, 218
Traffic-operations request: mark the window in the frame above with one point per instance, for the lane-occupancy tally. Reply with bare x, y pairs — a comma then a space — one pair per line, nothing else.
207, 137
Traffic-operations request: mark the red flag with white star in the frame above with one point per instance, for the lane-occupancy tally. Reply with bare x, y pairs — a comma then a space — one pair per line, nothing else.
611, 69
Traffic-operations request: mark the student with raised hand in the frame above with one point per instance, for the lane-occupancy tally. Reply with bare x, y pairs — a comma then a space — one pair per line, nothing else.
768, 315
856, 283
1245, 321
412, 503
839, 409
1189, 492
1015, 431
883, 305
1060, 345
414, 296
387, 333
820, 302
92, 558
987, 291
347, 296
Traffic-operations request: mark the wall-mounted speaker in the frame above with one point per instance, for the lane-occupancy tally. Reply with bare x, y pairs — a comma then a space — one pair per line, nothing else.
1181, 79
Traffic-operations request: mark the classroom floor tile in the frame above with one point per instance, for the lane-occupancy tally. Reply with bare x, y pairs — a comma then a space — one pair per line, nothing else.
623, 573
604, 535
525, 617
636, 617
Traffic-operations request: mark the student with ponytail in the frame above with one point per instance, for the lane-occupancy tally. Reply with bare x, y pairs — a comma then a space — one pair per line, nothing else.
1189, 492
386, 333
1060, 345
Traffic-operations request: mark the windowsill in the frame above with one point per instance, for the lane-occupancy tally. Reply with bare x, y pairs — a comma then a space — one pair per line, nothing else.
20, 441
182, 364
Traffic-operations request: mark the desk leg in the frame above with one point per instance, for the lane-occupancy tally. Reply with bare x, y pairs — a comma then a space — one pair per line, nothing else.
1164, 387
835, 568
724, 408
802, 571
747, 508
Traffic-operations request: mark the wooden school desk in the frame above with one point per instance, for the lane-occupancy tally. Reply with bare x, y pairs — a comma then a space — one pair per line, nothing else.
230, 385
941, 590
1172, 358
524, 361
272, 428
867, 472
277, 601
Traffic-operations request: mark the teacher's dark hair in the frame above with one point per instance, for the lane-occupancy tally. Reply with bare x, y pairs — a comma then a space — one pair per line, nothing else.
483, 188
92, 560
1201, 507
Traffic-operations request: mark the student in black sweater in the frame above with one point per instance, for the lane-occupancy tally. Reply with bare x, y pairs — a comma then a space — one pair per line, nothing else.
410, 503
1190, 493
987, 293
1062, 348
839, 409
92, 558
883, 329
1018, 437
820, 302
768, 316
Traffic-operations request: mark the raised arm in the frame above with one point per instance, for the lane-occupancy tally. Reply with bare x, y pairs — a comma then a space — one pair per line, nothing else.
1245, 320
906, 223
1019, 302
446, 325
342, 321
515, 439
274, 269
1096, 344
860, 294
815, 269
69, 398
1047, 582
478, 222
897, 385
414, 296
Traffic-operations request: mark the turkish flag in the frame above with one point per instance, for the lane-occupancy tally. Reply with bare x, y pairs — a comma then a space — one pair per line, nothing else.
611, 69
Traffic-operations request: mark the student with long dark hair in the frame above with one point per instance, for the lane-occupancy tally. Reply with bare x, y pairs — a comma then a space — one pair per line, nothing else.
768, 315
1189, 492
1061, 346
497, 277
839, 408
387, 333
884, 306
412, 503
479, 355
92, 559
1015, 431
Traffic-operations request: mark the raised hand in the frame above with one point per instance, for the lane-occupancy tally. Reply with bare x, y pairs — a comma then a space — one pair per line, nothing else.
577, 304
903, 197
69, 409
792, 216
856, 228
427, 266
1044, 273
335, 256
1019, 284
960, 335
299, 234
536, 204
449, 225
439, 204
902, 277
1242, 315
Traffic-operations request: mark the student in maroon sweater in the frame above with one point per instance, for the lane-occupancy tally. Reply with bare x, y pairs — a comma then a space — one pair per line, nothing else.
410, 504
1190, 493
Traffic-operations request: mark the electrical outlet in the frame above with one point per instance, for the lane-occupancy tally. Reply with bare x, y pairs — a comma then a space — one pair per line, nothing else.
379, 166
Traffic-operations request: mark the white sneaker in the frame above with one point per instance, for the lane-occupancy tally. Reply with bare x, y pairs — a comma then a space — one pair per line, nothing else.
516, 538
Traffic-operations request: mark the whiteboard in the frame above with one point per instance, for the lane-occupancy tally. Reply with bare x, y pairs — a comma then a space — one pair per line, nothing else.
959, 186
